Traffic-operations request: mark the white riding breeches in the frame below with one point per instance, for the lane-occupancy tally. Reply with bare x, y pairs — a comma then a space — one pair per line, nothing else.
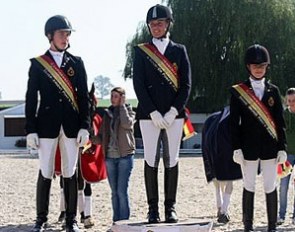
269, 174
68, 151
154, 137
223, 191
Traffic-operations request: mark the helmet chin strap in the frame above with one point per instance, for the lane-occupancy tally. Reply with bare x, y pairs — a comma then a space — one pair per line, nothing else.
252, 76
50, 38
255, 78
162, 37
165, 35
60, 50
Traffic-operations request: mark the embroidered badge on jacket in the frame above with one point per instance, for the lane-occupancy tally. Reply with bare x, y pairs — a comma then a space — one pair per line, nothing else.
71, 72
271, 101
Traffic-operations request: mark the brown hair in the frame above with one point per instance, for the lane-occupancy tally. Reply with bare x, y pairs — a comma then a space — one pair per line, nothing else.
119, 90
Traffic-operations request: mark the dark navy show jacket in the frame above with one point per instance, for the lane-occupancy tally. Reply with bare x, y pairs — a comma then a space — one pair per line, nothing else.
54, 110
153, 91
248, 133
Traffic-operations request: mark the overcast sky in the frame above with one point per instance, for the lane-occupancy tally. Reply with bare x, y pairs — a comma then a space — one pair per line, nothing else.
103, 27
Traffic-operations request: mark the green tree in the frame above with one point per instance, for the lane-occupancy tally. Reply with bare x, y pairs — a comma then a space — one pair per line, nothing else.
217, 33
103, 86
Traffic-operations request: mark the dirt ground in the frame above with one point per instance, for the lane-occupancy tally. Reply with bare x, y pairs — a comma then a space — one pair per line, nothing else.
195, 199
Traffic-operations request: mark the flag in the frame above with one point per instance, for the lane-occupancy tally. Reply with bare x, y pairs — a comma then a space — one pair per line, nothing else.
188, 128
284, 169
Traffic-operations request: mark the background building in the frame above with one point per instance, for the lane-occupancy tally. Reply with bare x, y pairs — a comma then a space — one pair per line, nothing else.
12, 122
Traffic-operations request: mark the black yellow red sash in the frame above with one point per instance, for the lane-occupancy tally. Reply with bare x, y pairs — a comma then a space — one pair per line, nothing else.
169, 72
59, 78
256, 107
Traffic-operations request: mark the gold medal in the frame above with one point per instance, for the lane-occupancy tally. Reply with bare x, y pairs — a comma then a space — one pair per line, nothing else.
271, 101
71, 72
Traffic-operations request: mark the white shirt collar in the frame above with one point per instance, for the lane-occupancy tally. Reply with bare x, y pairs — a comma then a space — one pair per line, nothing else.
56, 53
258, 87
161, 44
57, 56
257, 82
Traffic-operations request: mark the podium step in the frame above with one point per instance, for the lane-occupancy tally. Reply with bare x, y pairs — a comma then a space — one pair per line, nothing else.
182, 226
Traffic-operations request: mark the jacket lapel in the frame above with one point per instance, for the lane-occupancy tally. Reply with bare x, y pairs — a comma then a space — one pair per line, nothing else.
169, 49
267, 91
65, 60
47, 53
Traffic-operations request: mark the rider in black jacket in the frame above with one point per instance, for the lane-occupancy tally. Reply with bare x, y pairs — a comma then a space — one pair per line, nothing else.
58, 82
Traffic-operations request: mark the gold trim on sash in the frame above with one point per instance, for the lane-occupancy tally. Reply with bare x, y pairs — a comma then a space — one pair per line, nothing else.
59, 78
255, 106
162, 62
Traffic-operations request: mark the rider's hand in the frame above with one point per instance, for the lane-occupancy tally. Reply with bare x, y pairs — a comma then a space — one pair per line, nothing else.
83, 137
33, 140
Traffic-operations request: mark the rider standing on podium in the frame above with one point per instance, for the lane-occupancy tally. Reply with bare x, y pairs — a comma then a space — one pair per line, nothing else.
162, 83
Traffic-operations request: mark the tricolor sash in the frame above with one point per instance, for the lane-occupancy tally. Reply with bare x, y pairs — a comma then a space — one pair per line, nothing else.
169, 73
167, 70
256, 107
59, 79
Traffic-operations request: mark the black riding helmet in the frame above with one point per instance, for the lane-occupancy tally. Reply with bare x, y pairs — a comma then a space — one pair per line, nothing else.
159, 12
57, 22
256, 54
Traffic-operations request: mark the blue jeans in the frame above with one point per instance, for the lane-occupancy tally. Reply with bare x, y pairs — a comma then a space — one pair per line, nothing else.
284, 186
119, 171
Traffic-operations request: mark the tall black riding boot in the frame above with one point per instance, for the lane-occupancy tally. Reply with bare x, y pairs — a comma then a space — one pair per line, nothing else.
272, 210
71, 197
248, 208
170, 186
43, 194
151, 186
